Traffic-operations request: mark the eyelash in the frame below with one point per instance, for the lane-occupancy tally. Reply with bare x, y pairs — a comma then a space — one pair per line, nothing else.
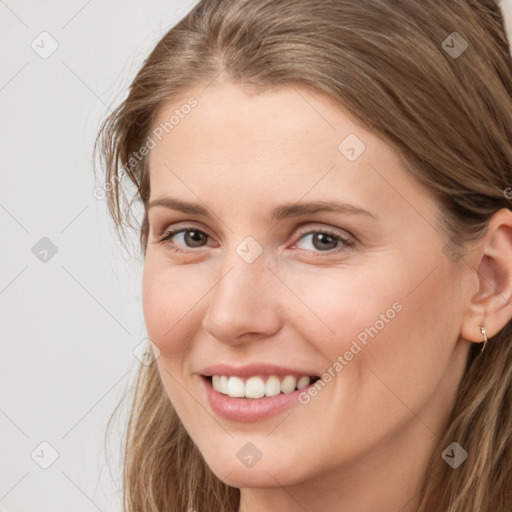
348, 244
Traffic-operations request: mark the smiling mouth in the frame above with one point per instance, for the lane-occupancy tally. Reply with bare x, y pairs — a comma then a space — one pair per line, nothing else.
258, 386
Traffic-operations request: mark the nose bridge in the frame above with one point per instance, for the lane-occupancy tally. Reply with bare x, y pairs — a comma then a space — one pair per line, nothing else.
244, 298
245, 270
245, 279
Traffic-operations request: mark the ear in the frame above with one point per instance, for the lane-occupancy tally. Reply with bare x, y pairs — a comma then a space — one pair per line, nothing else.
491, 264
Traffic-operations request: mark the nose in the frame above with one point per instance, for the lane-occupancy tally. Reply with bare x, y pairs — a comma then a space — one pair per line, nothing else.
244, 304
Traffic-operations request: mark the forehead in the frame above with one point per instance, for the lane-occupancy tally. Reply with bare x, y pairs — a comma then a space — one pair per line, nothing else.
294, 119
284, 142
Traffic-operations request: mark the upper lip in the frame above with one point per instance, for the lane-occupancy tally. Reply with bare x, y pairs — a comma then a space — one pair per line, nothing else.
253, 369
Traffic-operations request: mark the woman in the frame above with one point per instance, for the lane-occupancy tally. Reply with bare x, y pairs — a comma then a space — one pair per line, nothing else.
327, 241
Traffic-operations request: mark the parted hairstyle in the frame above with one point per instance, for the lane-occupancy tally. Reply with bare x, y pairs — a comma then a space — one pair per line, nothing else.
388, 63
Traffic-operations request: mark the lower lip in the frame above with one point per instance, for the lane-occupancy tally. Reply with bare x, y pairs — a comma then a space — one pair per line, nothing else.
250, 409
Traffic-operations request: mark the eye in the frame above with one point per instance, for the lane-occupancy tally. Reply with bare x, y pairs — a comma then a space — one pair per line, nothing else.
189, 238
325, 241
192, 237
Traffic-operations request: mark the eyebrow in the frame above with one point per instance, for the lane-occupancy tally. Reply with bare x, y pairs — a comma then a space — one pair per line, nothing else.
279, 213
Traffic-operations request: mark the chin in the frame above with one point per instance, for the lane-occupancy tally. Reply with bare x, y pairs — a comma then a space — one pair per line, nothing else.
258, 476
270, 471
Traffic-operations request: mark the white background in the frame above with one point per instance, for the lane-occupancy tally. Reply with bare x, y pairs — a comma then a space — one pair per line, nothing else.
69, 325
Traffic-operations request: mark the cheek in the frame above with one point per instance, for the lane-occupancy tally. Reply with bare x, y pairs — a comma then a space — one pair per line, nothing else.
155, 304
168, 299
343, 305
383, 319
408, 355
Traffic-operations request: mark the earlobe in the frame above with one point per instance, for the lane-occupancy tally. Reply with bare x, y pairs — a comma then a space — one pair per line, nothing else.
491, 305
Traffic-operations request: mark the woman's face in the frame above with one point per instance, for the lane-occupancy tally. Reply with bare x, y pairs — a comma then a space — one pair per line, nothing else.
261, 286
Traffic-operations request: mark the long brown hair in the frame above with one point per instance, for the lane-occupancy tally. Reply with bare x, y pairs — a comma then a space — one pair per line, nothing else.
443, 100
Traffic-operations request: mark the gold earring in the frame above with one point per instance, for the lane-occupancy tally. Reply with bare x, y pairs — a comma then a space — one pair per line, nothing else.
482, 330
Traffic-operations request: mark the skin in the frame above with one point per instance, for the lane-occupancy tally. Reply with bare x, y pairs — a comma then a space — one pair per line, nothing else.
364, 441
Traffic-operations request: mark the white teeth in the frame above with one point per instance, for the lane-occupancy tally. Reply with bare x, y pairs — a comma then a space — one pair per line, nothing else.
223, 384
272, 386
254, 388
257, 387
289, 383
236, 387
303, 382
